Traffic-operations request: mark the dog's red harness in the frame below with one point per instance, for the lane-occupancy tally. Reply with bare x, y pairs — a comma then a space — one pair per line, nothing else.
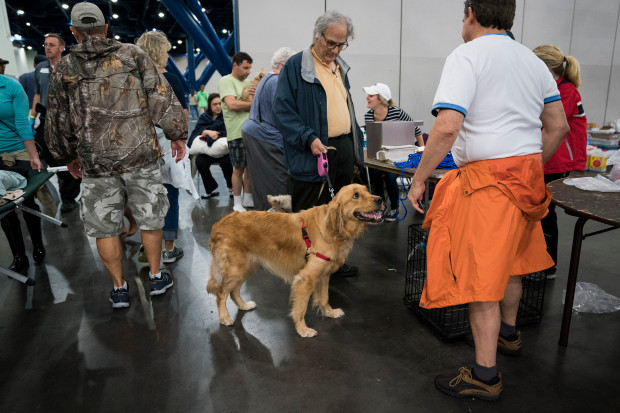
306, 238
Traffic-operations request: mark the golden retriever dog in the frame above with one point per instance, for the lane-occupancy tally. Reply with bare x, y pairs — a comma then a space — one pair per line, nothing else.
303, 248
245, 93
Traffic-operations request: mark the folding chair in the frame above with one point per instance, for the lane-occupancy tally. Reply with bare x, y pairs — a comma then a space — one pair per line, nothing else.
35, 181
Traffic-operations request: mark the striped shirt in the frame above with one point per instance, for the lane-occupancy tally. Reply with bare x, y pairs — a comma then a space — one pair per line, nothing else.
394, 113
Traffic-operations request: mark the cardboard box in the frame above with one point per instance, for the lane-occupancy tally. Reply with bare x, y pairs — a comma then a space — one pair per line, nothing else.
597, 163
393, 133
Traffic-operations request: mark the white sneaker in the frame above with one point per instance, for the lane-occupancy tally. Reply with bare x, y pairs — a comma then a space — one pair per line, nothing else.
239, 208
248, 201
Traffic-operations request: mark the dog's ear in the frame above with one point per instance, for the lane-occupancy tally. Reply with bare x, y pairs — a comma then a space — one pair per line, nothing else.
333, 218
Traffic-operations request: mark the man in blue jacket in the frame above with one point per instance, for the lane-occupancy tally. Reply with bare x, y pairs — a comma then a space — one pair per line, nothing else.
314, 112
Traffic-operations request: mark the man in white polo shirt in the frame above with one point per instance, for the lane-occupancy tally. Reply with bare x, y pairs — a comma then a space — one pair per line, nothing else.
485, 232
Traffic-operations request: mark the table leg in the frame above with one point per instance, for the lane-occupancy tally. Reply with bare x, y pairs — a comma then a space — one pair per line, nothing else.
572, 280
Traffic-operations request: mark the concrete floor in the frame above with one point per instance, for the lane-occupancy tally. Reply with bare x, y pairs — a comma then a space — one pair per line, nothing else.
65, 350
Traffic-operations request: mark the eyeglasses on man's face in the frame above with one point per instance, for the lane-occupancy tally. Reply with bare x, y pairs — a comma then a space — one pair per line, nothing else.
332, 45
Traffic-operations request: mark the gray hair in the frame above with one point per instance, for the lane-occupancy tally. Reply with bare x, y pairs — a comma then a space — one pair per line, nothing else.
280, 56
329, 18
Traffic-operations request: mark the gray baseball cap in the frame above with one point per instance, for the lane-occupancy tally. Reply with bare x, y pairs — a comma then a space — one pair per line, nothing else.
86, 14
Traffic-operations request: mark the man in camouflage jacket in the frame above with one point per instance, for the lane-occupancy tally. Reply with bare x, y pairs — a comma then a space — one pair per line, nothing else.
105, 98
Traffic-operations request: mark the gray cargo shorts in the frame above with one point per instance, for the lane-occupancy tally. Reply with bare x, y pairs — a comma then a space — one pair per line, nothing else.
104, 200
236, 150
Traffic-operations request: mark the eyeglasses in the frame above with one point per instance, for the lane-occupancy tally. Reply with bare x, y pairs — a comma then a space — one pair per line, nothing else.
332, 45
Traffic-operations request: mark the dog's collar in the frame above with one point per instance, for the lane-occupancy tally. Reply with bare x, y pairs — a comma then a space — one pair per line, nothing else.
306, 238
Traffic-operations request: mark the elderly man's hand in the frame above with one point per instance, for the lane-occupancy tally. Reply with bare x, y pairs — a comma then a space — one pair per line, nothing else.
178, 149
317, 147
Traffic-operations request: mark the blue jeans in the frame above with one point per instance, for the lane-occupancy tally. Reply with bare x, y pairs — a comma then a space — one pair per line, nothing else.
193, 111
377, 181
171, 222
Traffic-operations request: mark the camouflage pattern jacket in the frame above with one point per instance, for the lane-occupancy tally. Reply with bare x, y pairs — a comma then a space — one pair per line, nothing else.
105, 98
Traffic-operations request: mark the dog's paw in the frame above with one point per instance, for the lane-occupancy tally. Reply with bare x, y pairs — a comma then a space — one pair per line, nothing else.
249, 305
307, 332
334, 313
226, 321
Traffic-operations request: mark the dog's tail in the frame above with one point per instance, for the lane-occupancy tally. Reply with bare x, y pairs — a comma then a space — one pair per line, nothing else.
215, 280
213, 286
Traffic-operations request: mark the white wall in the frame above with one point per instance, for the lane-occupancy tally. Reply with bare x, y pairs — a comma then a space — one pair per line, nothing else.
267, 25
404, 43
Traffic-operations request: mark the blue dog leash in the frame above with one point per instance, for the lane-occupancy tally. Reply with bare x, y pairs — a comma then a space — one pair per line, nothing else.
412, 162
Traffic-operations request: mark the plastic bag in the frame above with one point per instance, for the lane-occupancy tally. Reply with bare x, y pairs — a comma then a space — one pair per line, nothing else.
598, 183
614, 159
590, 298
177, 174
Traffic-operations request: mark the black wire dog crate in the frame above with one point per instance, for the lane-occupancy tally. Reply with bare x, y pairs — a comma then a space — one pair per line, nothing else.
452, 322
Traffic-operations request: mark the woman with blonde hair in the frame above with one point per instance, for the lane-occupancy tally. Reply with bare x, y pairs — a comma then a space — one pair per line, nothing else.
571, 155
156, 46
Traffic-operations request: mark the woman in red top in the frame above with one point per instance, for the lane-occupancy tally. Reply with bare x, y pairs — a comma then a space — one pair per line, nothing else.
571, 155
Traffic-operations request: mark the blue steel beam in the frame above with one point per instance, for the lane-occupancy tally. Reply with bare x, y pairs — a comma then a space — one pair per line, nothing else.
236, 24
196, 8
187, 21
198, 57
229, 44
206, 74
210, 69
191, 65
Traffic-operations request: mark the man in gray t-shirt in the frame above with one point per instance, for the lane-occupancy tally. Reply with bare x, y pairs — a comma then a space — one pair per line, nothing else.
42, 81
69, 187
54, 46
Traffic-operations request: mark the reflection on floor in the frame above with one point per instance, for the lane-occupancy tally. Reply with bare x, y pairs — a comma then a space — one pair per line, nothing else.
66, 350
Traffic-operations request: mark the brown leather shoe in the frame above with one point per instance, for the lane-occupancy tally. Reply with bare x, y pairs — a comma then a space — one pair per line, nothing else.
511, 346
464, 385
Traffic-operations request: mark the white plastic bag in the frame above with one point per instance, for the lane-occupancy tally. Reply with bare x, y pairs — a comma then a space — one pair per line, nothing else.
614, 159
177, 174
598, 183
590, 298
